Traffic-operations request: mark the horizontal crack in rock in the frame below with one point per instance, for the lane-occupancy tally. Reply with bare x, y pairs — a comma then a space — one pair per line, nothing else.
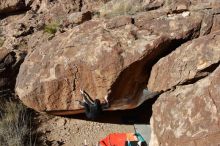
201, 74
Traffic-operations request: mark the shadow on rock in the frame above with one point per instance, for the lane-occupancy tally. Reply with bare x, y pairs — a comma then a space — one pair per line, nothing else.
139, 115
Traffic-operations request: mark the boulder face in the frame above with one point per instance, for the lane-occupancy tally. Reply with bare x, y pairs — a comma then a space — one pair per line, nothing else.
188, 113
187, 64
104, 58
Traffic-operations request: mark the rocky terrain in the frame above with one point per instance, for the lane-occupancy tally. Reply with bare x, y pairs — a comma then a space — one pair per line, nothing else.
128, 51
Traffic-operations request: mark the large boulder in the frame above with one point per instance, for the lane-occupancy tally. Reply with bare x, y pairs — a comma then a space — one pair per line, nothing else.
104, 58
189, 115
187, 64
188, 112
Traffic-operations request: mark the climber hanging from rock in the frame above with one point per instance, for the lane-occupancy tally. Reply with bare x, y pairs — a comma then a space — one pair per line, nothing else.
93, 108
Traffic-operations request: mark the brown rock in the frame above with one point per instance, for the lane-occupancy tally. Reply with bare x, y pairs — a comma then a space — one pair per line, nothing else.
79, 17
216, 23
45, 11
204, 4
9, 66
122, 7
15, 30
102, 61
153, 4
29, 2
168, 25
57, 8
188, 112
207, 23
143, 17
118, 22
177, 6
188, 63
4, 52
189, 115
93, 6
7, 6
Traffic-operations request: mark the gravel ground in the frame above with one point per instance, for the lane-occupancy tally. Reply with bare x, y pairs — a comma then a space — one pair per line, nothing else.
75, 130
59, 131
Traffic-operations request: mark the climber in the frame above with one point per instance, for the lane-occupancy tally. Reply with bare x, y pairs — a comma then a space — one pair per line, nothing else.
93, 108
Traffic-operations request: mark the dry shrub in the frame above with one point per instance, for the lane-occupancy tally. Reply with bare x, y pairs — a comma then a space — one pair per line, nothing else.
15, 123
121, 7
1, 41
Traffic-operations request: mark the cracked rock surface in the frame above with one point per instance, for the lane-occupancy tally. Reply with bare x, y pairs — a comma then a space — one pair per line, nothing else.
52, 75
187, 113
187, 64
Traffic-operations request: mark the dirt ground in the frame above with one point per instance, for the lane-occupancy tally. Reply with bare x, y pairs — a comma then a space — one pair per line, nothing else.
59, 131
78, 130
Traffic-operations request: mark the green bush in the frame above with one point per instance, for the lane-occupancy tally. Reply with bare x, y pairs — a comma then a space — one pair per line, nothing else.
51, 28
